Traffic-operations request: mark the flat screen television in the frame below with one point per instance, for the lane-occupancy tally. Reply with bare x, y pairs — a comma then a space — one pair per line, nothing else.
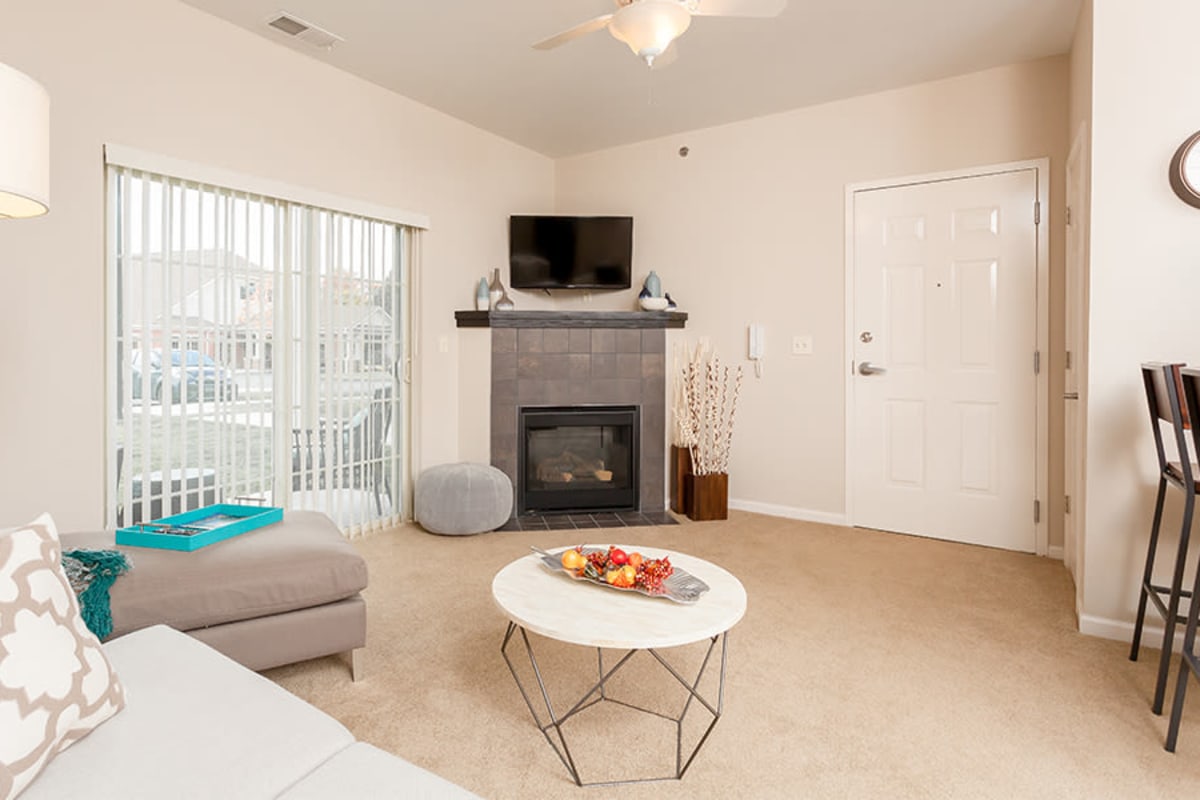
570, 252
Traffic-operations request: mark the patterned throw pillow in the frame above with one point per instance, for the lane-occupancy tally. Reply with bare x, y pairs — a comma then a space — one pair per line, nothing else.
56, 684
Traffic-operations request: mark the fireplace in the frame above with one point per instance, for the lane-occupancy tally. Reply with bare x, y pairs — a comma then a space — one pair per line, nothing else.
577, 458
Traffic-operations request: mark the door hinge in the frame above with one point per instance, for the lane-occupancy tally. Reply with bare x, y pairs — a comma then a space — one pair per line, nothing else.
1037, 362
1037, 511
1068, 359
1068, 215
1037, 212
1067, 504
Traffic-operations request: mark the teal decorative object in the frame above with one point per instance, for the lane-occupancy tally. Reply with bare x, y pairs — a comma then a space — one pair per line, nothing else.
653, 284
481, 295
91, 574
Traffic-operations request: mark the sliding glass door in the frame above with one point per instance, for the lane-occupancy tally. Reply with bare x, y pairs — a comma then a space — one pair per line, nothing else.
259, 353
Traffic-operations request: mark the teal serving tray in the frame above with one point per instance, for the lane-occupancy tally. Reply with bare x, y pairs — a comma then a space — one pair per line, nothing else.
198, 528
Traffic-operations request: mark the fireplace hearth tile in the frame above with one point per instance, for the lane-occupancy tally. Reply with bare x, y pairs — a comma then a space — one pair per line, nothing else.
556, 366
579, 366
556, 340
654, 340
581, 391
629, 341
580, 340
604, 365
654, 365
504, 366
529, 340
559, 522
530, 392
558, 393
504, 340
504, 391
604, 340
529, 366
627, 390
629, 365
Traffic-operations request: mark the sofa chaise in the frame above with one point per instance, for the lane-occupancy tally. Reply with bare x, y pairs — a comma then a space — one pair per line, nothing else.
198, 725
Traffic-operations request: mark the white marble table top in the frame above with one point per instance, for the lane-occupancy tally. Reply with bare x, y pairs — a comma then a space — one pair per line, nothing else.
557, 606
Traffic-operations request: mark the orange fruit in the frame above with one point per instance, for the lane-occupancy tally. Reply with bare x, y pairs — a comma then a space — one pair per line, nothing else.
572, 559
635, 560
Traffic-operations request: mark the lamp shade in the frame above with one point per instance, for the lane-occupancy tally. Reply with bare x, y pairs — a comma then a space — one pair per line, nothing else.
649, 26
24, 145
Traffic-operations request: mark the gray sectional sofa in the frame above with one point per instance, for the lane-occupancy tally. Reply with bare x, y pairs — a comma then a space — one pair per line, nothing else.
198, 725
284, 593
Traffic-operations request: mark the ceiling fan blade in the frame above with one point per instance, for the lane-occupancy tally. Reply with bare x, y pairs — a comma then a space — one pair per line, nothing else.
582, 29
739, 8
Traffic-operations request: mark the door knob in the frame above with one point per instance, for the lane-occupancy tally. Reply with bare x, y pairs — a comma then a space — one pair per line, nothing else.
867, 368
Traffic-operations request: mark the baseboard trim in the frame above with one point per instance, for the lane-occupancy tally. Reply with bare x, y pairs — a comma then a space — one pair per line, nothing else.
789, 512
1121, 631
1055, 551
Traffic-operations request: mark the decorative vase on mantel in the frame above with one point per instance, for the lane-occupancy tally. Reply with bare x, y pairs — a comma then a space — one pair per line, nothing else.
495, 289
482, 300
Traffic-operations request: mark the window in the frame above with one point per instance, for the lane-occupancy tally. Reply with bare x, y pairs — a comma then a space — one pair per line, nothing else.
259, 352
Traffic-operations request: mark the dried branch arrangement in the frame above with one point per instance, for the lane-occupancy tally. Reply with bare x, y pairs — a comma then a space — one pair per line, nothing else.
705, 397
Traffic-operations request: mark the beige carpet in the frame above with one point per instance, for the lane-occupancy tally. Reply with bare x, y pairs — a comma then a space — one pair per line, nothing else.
868, 664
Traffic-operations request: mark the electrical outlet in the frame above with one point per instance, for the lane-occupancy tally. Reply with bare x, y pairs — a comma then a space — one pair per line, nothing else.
802, 345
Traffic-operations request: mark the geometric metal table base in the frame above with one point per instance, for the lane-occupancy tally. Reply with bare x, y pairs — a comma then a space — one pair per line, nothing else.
598, 694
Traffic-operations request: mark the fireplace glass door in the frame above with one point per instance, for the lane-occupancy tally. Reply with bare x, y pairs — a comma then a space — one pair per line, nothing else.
578, 459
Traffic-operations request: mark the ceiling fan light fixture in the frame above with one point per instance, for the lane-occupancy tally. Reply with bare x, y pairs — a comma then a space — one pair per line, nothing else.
648, 27
24, 145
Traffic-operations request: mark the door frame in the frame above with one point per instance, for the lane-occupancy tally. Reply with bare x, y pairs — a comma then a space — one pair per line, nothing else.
1076, 271
1041, 170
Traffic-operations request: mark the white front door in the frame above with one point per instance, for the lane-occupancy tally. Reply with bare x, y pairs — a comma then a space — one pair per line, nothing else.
945, 308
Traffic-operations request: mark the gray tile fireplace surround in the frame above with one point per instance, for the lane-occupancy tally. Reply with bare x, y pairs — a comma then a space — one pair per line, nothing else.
568, 366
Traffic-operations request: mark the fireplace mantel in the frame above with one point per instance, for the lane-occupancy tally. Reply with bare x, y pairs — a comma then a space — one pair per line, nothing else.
570, 319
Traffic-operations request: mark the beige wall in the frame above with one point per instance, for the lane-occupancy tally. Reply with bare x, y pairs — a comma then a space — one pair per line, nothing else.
749, 228
166, 78
1144, 279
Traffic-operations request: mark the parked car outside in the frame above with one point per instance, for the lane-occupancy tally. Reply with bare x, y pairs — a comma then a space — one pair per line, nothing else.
203, 377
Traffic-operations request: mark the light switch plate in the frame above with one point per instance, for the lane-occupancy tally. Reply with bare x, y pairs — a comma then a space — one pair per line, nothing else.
802, 345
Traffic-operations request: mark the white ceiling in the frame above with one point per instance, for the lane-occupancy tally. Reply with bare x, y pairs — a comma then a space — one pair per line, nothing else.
472, 58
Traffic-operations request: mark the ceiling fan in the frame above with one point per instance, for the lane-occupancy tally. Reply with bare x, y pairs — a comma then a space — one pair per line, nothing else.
650, 26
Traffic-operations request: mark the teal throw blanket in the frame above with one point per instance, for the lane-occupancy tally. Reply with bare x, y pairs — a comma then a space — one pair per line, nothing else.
92, 573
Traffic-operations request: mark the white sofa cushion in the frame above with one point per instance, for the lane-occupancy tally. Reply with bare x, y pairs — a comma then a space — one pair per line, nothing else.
55, 683
364, 772
197, 725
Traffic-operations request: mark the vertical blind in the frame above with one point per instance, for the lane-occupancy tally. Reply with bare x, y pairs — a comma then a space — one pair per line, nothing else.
259, 354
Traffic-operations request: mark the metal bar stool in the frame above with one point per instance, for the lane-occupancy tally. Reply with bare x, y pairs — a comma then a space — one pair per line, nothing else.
1187, 657
1163, 396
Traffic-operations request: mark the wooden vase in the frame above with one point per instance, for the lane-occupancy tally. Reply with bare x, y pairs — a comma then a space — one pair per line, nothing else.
681, 471
708, 496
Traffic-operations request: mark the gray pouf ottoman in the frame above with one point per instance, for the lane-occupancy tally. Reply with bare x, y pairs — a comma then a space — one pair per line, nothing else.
460, 499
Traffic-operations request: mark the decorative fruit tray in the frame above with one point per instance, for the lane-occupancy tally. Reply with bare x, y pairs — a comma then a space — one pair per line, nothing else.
651, 577
199, 527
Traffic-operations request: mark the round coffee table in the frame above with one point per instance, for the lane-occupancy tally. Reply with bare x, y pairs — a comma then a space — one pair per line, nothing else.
554, 605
